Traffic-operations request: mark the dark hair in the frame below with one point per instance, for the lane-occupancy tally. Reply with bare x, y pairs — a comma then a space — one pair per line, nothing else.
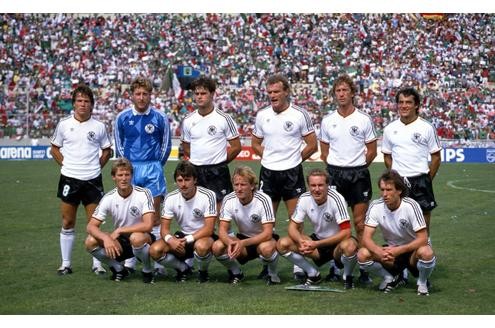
318, 173
344, 79
121, 163
83, 89
141, 82
407, 92
204, 82
276, 78
185, 169
392, 176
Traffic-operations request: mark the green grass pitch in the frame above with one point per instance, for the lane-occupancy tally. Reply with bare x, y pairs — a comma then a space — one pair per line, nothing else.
463, 233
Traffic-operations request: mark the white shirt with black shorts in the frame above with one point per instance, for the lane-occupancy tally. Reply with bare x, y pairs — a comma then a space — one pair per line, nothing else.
326, 219
80, 144
248, 219
208, 137
281, 174
347, 138
398, 227
190, 214
125, 212
410, 145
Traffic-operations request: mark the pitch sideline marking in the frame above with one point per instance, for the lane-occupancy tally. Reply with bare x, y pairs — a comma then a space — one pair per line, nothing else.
452, 185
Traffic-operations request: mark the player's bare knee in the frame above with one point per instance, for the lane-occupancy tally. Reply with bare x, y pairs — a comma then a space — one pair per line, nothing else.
138, 239
218, 248
364, 255
425, 253
90, 243
349, 246
267, 248
202, 246
284, 244
157, 249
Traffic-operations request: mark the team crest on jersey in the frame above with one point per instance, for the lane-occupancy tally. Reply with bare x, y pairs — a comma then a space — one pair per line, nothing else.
255, 218
288, 126
197, 213
149, 128
134, 211
212, 130
354, 131
418, 139
91, 136
328, 217
404, 224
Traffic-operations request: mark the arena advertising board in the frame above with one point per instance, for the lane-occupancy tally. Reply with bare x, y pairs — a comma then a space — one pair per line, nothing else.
449, 155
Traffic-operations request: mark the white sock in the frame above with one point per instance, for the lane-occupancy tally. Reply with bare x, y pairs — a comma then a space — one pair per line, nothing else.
297, 269
143, 254
271, 263
171, 261
425, 269
376, 268
232, 265
190, 262
299, 260
96, 263
203, 261
67, 238
131, 263
349, 263
100, 254
156, 232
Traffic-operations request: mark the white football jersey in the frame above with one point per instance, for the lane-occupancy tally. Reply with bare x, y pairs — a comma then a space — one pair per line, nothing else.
282, 135
190, 214
324, 218
249, 218
347, 137
398, 227
208, 136
410, 146
80, 144
127, 211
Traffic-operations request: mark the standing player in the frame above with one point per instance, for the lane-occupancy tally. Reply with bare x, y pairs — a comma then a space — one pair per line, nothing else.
194, 208
348, 146
283, 137
142, 135
326, 210
206, 132
407, 143
252, 213
131, 209
76, 146
403, 228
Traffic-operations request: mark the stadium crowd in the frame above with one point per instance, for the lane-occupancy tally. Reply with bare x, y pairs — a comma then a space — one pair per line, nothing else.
449, 60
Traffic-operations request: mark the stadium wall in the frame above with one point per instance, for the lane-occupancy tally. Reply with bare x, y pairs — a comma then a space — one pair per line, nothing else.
449, 155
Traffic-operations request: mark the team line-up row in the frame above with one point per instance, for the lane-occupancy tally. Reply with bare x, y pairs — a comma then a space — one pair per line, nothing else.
284, 137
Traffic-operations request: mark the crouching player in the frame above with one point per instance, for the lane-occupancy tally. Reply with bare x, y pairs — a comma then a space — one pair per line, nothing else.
326, 210
404, 230
252, 212
131, 209
194, 208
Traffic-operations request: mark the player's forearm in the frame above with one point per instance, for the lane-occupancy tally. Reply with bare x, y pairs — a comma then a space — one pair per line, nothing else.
434, 165
57, 155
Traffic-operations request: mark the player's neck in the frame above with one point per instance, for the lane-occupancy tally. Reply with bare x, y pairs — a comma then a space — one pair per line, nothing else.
81, 118
409, 119
394, 206
346, 110
125, 192
246, 200
203, 111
